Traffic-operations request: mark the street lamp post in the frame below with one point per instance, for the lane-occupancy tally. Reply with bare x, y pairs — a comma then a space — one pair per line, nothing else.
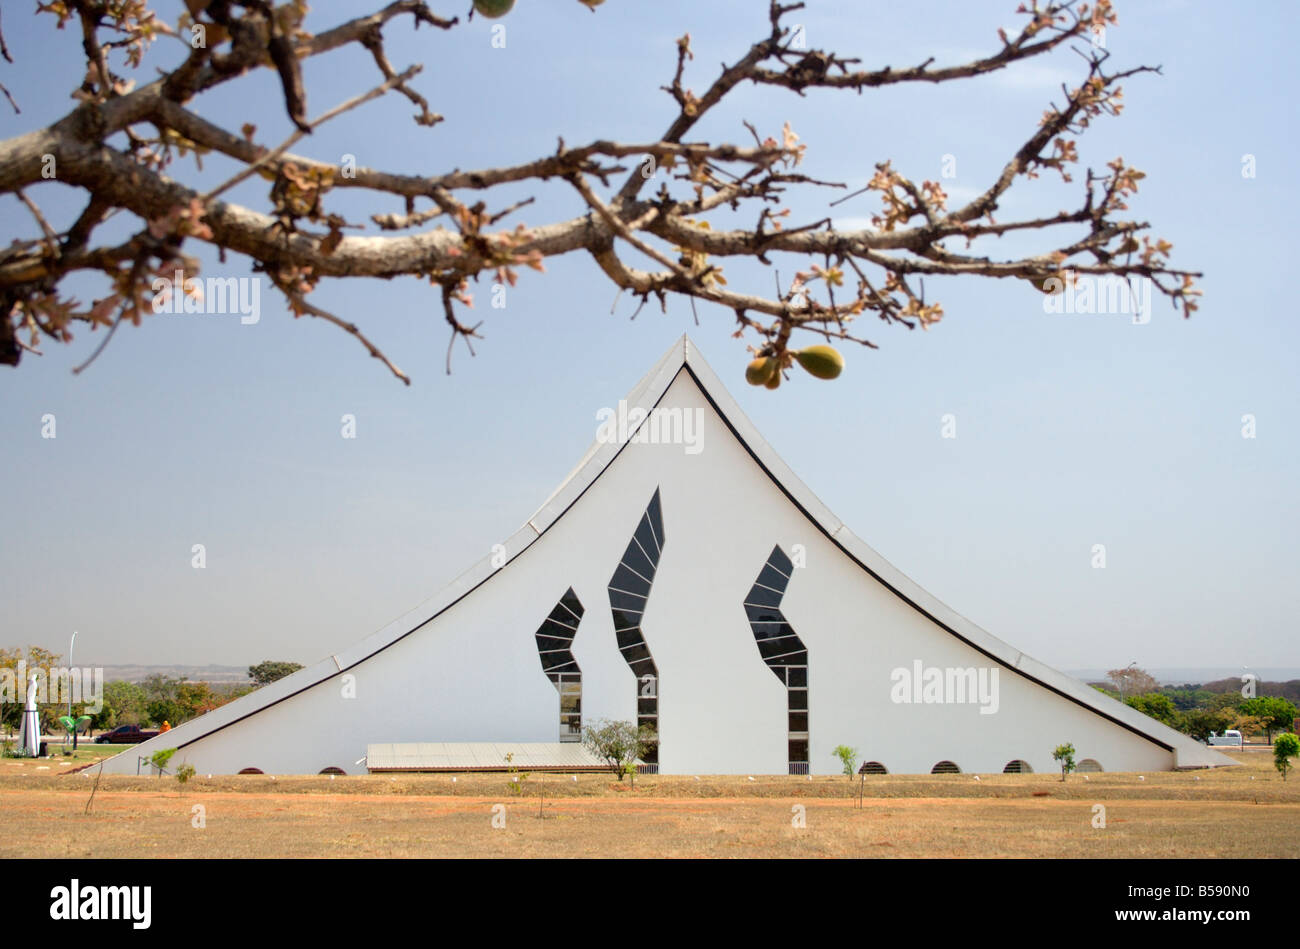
68, 680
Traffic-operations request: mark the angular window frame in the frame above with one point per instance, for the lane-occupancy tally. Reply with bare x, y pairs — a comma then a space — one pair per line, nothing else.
555, 653
780, 647
633, 580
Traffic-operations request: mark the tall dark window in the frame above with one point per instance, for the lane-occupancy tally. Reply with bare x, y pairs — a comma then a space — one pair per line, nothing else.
555, 649
629, 589
782, 650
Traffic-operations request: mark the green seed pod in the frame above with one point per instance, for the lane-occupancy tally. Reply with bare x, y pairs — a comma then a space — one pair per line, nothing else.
1051, 284
824, 362
493, 8
760, 370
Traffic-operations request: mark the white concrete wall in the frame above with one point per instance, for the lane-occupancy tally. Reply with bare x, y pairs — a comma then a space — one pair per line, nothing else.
472, 673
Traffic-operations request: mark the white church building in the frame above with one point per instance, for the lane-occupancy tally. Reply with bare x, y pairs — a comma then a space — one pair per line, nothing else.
681, 577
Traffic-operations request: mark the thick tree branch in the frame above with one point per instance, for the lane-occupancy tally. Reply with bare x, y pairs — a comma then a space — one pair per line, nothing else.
105, 148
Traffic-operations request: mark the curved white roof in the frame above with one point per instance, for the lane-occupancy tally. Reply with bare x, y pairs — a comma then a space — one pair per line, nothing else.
684, 357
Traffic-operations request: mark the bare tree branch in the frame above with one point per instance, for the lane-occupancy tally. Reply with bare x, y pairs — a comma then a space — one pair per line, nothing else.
119, 144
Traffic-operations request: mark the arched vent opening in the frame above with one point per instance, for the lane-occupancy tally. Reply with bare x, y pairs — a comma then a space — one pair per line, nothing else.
945, 767
332, 770
251, 771
1090, 764
1018, 766
873, 767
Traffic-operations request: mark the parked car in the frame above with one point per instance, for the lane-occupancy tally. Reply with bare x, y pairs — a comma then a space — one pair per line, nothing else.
1229, 737
124, 735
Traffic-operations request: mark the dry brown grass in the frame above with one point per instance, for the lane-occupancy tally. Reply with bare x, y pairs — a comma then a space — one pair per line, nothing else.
1240, 812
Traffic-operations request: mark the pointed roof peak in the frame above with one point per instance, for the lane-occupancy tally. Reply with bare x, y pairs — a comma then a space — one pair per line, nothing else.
646, 395
682, 352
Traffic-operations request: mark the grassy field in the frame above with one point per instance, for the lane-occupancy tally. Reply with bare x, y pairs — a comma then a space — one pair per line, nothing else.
1246, 811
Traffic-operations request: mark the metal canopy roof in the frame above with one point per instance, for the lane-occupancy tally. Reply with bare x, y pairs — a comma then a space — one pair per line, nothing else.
482, 756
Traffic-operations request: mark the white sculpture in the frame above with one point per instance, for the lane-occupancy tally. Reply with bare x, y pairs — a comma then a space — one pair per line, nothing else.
30, 733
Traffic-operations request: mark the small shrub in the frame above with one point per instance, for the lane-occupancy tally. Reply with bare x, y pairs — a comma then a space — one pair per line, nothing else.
159, 759
848, 757
1285, 748
619, 744
517, 777
1065, 755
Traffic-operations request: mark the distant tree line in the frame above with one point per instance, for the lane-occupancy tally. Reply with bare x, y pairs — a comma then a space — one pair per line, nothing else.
172, 699
11, 713
264, 673
161, 698
1215, 707
157, 699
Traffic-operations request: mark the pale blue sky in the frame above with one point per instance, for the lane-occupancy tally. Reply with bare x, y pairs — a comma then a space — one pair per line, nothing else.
1072, 430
